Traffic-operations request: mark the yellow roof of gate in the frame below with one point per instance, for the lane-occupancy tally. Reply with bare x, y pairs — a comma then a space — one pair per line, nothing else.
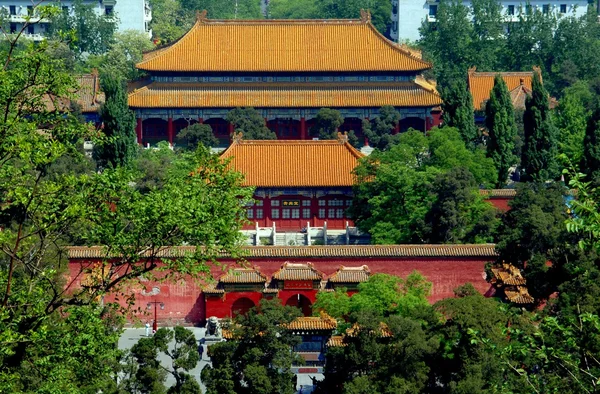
281, 163
333, 45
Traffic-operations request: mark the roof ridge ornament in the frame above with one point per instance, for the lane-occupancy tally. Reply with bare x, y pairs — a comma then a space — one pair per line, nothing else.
237, 137
201, 16
342, 137
365, 16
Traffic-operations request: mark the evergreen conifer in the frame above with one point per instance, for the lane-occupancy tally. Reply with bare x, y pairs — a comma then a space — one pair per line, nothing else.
458, 110
119, 148
538, 160
500, 122
591, 148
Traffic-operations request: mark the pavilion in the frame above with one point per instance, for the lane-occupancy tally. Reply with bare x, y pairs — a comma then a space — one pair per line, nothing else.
287, 70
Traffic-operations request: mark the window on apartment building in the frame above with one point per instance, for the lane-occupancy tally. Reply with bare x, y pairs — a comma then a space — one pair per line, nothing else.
322, 213
29, 10
259, 213
433, 10
563, 8
108, 10
546, 9
394, 8
274, 213
12, 9
295, 214
511, 10
13, 27
528, 9
285, 213
30, 29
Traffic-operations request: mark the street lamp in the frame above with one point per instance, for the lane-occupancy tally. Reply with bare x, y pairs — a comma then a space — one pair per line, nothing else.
162, 307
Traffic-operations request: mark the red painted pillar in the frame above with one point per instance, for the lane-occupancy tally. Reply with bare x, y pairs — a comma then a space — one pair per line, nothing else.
138, 131
170, 130
200, 120
397, 128
366, 139
303, 135
230, 129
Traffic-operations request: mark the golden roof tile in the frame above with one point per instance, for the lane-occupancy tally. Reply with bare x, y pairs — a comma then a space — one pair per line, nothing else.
282, 46
519, 295
298, 271
243, 275
487, 251
481, 83
312, 323
383, 330
508, 274
336, 341
213, 289
498, 193
89, 95
279, 163
350, 275
277, 95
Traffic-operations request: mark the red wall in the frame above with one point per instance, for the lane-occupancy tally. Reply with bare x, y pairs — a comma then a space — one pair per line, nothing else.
500, 202
184, 302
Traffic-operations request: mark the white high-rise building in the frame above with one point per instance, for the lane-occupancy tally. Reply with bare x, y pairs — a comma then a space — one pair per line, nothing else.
408, 15
131, 14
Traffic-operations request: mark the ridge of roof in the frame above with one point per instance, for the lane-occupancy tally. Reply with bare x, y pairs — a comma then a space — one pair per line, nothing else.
418, 63
316, 251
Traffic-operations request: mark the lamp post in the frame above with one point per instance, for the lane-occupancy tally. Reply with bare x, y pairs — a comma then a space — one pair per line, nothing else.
162, 307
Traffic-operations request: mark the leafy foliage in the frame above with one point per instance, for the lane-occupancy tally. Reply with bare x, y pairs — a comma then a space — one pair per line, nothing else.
327, 123
124, 52
120, 147
250, 122
458, 111
500, 122
394, 191
539, 155
257, 359
196, 134
90, 33
379, 131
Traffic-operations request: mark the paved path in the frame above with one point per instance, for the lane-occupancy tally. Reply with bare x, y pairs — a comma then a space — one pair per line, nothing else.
132, 335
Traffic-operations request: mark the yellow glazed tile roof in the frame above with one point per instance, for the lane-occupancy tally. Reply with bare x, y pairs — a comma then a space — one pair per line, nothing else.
481, 83
350, 275
280, 163
498, 193
487, 251
336, 341
312, 323
298, 271
282, 46
278, 95
519, 295
243, 275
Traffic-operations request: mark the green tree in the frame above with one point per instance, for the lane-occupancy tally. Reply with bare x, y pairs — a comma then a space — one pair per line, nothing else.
169, 21
500, 122
250, 122
392, 192
293, 9
120, 147
379, 130
571, 119
538, 159
196, 134
90, 33
488, 26
380, 11
147, 375
225, 9
447, 43
327, 123
57, 340
258, 358
533, 233
458, 110
459, 212
591, 148
124, 53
